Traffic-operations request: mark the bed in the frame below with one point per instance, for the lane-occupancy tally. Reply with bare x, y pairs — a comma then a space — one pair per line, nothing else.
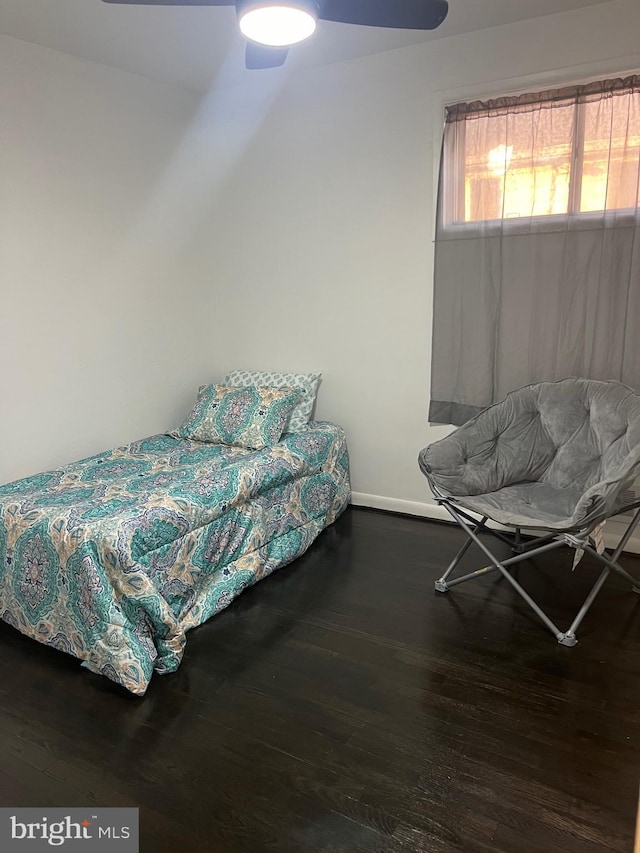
114, 558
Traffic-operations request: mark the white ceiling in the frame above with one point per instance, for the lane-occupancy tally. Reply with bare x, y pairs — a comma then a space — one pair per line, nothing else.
189, 45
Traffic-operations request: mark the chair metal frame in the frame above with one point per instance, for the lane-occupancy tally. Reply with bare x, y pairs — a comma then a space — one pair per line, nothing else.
525, 549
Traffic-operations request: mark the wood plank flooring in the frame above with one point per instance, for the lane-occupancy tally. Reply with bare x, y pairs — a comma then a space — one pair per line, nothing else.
343, 705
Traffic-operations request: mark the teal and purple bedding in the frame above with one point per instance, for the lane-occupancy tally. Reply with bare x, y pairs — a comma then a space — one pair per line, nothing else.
112, 559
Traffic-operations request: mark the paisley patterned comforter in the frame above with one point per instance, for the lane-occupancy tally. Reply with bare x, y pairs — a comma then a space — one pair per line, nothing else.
112, 559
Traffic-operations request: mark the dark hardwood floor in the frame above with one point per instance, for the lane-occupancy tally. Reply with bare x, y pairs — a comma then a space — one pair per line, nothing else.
343, 705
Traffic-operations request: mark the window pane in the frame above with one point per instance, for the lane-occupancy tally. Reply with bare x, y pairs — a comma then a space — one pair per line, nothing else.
611, 153
519, 164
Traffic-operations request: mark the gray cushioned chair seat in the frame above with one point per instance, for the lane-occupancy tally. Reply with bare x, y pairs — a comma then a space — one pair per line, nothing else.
555, 455
551, 508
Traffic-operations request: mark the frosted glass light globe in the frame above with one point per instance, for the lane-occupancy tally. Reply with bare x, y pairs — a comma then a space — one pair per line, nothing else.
277, 26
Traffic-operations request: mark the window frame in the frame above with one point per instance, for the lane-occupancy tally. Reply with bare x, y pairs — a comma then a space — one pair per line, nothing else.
454, 186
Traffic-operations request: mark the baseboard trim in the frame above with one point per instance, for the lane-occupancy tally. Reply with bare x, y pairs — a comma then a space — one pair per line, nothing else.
424, 510
613, 530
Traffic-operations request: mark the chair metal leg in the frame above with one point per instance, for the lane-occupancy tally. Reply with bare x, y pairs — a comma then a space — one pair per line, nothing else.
441, 584
612, 561
532, 549
612, 564
559, 635
519, 558
570, 635
517, 542
492, 531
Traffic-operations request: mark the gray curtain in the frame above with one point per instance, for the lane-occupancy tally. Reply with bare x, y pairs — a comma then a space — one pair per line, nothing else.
537, 260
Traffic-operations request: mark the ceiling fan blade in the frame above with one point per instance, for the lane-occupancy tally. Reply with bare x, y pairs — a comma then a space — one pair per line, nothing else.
172, 2
395, 14
259, 56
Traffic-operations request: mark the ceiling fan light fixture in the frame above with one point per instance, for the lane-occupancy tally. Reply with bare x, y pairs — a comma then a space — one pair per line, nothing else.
278, 24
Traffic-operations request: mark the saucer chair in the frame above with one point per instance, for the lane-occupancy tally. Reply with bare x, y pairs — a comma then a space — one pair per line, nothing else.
554, 458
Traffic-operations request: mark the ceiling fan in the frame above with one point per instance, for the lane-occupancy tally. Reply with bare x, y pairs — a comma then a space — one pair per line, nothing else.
272, 26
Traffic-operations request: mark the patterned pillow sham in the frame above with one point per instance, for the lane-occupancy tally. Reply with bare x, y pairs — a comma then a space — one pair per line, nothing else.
250, 417
307, 383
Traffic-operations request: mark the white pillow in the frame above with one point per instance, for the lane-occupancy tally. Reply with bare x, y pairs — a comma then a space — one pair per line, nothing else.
307, 383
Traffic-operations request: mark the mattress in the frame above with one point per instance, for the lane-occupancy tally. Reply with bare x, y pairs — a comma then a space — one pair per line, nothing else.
114, 558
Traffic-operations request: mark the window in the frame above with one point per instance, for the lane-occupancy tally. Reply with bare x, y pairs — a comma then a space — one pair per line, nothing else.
537, 252
569, 151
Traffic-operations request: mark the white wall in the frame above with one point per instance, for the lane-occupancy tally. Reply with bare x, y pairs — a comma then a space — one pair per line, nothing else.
324, 238
99, 338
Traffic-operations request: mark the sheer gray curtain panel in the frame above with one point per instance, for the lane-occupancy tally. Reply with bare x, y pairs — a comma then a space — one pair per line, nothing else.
537, 256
